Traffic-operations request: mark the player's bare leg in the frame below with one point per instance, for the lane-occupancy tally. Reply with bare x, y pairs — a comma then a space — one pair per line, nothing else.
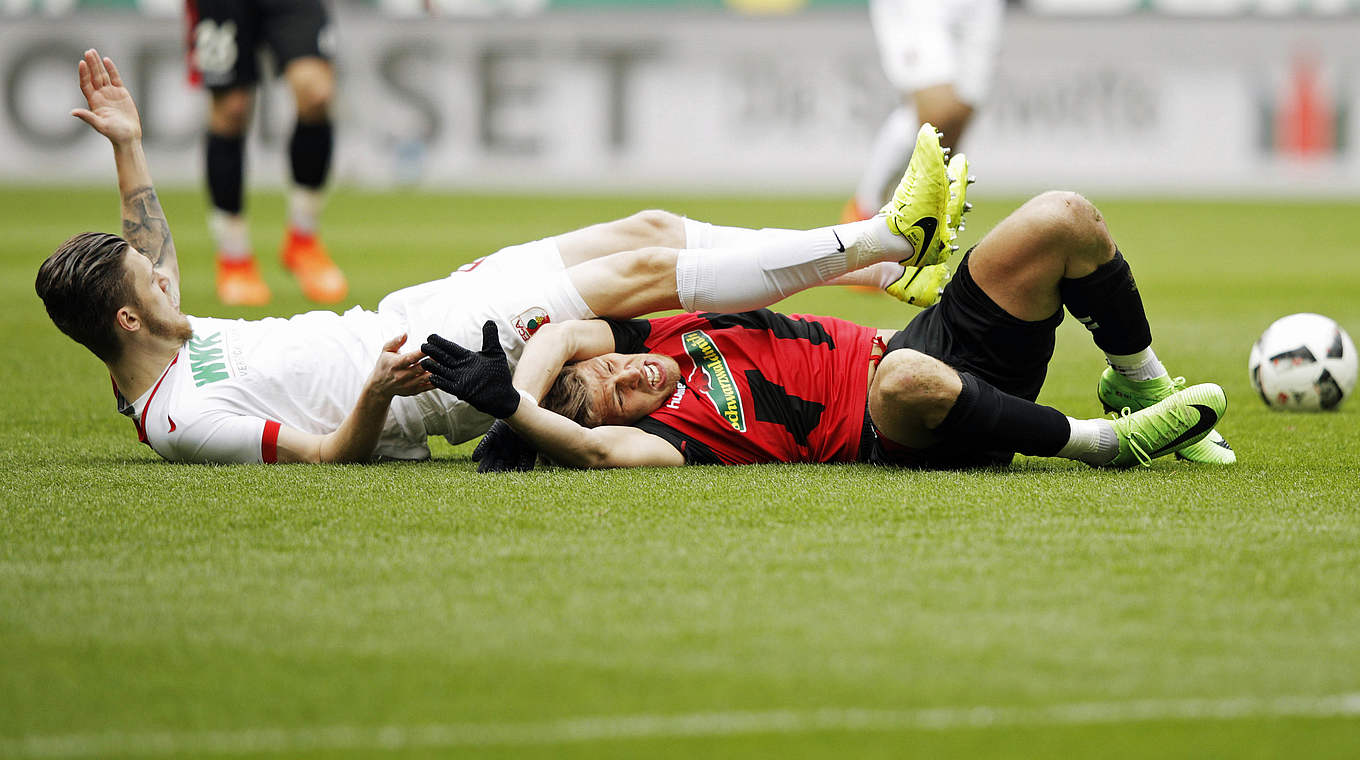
238, 278
910, 395
645, 229
941, 105
312, 81
1054, 236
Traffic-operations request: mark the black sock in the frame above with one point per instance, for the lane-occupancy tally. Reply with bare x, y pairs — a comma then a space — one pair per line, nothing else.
998, 421
226, 169
309, 151
1108, 303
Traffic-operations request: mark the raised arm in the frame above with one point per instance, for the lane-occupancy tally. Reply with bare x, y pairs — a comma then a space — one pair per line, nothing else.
555, 344
113, 114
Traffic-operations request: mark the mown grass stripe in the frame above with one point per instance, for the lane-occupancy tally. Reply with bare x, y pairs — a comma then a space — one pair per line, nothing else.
713, 724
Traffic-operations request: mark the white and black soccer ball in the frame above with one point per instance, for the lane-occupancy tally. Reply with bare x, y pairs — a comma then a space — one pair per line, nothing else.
1303, 362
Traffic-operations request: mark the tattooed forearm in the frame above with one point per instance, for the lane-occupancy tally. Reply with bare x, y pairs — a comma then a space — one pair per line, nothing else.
145, 227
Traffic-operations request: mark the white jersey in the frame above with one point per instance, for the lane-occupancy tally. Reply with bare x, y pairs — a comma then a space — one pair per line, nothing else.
931, 42
225, 395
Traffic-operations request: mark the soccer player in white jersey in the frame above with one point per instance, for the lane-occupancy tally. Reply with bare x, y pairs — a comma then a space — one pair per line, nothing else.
939, 56
336, 387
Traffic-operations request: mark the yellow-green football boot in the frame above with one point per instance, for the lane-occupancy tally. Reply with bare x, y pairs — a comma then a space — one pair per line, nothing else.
1179, 420
1117, 392
922, 286
918, 207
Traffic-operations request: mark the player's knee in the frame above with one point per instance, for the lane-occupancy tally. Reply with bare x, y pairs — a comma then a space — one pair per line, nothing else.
909, 379
314, 99
312, 81
1074, 226
655, 227
230, 112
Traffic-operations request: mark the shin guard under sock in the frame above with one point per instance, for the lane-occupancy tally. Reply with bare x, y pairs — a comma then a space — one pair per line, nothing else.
988, 419
1107, 302
225, 158
309, 152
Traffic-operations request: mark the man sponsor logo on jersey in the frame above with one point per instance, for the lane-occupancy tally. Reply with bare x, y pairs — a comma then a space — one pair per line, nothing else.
719, 386
528, 322
207, 359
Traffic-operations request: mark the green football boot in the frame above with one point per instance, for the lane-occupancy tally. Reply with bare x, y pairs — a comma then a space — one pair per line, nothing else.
919, 206
922, 286
1117, 392
1183, 418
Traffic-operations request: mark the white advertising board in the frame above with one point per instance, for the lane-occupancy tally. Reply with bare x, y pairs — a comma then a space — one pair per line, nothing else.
698, 102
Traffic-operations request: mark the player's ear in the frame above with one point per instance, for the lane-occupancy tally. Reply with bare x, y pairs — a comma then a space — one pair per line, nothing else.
128, 319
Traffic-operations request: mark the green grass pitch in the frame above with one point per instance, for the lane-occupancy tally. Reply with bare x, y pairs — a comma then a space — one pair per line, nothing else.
149, 609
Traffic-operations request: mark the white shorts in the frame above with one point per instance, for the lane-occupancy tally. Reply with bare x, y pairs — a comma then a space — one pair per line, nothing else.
931, 42
521, 288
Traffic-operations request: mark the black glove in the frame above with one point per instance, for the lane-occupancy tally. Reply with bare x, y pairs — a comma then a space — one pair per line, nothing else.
502, 450
481, 379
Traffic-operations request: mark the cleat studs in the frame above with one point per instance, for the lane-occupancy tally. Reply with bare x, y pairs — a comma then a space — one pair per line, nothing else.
967, 206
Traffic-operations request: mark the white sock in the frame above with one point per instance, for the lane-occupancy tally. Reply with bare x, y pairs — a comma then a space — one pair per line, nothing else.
879, 275
749, 277
888, 159
304, 209
705, 235
1143, 365
231, 234
1092, 441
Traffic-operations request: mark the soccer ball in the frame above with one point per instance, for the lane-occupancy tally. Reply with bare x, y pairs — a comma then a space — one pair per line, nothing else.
1303, 362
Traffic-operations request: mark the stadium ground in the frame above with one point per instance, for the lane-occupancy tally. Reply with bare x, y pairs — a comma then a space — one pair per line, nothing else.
816, 611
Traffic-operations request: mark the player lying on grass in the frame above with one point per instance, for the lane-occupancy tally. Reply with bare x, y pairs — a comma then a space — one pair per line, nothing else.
955, 388
308, 388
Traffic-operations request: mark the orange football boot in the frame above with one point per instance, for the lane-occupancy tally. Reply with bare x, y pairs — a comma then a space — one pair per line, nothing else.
321, 280
239, 283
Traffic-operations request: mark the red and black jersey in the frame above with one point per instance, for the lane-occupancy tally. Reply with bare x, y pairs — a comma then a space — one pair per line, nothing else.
758, 386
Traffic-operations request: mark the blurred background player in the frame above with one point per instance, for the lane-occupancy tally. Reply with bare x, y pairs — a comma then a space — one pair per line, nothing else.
226, 38
939, 56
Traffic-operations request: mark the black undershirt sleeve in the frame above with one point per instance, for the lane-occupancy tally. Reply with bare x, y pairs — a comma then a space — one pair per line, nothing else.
630, 335
693, 451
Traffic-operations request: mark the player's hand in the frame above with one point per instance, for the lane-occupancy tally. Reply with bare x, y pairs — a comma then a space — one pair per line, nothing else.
503, 450
398, 374
481, 379
111, 111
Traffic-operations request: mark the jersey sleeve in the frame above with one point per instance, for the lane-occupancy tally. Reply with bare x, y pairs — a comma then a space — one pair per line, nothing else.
694, 451
630, 335
227, 439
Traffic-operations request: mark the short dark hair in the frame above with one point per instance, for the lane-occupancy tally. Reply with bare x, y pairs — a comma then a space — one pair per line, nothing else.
83, 284
570, 397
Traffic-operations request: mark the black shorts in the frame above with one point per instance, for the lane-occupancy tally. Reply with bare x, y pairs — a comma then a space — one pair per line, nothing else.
226, 36
969, 332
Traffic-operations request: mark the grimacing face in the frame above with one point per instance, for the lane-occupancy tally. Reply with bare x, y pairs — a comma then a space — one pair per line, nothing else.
624, 388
